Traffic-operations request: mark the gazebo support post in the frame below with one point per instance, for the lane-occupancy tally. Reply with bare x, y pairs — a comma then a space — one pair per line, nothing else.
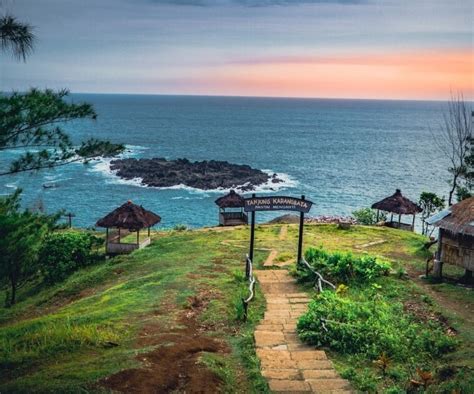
438, 264
378, 214
399, 219
119, 235
413, 223
391, 217
138, 237
148, 232
106, 240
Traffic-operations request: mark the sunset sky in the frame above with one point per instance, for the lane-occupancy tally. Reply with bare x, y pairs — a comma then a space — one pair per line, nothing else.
410, 49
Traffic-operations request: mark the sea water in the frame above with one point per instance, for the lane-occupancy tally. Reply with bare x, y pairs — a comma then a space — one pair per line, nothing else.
341, 154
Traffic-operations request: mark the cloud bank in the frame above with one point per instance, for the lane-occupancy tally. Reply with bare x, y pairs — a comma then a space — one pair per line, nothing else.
252, 3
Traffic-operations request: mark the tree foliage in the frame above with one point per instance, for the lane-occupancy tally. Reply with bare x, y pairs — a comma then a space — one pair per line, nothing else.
368, 216
16, 37
64, 252
430, 203
34, 121
455, 141
21, 234
466, 184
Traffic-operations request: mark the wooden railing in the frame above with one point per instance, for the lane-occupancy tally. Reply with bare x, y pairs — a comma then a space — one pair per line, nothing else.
318, 285
249, 276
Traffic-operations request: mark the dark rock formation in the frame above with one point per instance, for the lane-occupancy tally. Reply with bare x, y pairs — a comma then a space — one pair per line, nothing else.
205, 175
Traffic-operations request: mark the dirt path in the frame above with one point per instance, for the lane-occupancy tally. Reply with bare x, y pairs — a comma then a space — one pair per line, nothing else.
283, 232
464, 311
288, 364
270, 261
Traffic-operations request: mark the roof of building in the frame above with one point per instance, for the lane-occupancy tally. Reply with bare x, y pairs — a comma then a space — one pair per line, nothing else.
458, 219
129, 216
397, 203
231, 200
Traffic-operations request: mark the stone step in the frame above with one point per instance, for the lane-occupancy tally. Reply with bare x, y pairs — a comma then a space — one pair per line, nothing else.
328, 384
314, 364
269, 338
320, 374
289, 386
311, 355
270, 327
282, 374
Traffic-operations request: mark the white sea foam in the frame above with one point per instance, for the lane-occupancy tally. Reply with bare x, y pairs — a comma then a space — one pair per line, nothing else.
103, 166
11, 185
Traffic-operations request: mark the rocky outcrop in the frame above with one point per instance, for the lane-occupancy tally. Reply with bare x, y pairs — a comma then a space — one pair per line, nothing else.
205, 175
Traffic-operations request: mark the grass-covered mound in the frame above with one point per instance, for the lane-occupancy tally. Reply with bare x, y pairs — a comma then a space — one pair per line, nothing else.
343, 267
368, 324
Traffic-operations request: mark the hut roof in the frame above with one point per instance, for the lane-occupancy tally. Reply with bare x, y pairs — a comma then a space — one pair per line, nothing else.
231, 200
129, 216
397, 203
458, 219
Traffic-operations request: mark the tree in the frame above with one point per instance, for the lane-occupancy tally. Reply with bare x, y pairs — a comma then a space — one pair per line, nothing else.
453, 141
368, 216
33, 120
430, 203
21, 234
16, 37
466, 187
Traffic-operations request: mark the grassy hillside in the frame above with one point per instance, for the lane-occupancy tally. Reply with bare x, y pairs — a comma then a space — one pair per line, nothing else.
167, 315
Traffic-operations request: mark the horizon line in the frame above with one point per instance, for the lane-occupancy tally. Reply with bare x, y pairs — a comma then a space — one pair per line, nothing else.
471, 100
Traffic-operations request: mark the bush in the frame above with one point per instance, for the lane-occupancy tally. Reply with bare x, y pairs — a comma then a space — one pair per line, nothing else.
344, 267
370, 325
62, 253
368, 216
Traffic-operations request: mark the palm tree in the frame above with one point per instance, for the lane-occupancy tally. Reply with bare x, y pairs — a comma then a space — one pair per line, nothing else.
16, 37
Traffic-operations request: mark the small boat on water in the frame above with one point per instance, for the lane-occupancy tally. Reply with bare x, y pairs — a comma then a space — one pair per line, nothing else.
50, 185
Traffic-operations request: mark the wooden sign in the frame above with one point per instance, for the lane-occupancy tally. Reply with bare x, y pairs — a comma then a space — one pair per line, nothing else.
277, 203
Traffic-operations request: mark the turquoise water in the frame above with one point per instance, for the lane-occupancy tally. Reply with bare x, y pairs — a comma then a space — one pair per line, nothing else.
342, 154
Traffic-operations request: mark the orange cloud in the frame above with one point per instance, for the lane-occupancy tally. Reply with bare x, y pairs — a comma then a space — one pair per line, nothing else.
406, 75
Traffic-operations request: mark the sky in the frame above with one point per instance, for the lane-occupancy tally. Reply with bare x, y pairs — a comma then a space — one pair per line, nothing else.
380, 49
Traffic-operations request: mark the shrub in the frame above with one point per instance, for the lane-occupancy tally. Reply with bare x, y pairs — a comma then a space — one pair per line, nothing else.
368, 216
62, 253
180, 227
370, 326
344, 267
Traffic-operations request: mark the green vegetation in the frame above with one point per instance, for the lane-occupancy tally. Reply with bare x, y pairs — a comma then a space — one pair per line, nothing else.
385, 339
21, 234
32, 121
343, 267
67, 336
64, 252
368, 216
183, 293
430, 203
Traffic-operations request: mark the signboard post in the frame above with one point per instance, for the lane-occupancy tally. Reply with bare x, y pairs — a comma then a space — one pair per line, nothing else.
277, 203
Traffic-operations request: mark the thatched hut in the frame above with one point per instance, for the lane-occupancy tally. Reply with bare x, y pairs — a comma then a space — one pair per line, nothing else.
399, 205
456, 237
126, 219
231, 209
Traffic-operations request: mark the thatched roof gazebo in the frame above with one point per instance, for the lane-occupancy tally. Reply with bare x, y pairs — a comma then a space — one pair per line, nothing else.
456, 237
400, 205
231, 209
126, 219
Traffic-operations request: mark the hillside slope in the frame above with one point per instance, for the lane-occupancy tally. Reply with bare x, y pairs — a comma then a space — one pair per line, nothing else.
165, 316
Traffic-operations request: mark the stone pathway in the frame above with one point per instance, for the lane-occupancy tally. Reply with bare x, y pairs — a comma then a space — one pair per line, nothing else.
288, 364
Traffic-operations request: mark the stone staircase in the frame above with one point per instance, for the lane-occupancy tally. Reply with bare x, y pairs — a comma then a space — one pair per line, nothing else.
288, 364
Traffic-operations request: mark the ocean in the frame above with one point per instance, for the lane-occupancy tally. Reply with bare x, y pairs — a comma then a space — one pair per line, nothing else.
341, 154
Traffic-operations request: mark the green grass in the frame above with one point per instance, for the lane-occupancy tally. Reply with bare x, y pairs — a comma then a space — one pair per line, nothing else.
64, 337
